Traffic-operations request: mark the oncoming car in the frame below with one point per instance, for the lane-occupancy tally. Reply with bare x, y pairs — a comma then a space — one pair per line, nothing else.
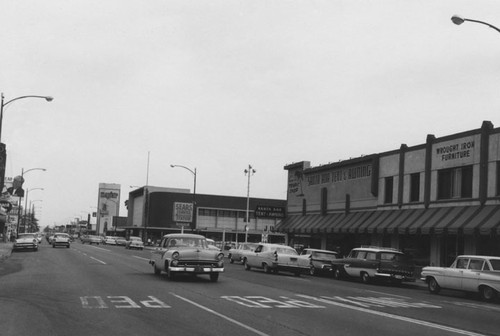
186, 253
61, 239
26, 241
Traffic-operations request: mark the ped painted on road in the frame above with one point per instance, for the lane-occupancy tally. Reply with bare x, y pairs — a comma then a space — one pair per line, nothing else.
99, 302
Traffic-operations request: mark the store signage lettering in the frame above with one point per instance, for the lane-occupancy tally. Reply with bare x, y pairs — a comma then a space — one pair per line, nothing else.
109, 194
263, 211
455, 151
341, 175
183, 212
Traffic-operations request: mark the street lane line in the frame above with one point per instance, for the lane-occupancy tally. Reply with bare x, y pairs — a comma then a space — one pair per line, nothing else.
394, 317
221, 315
384, 293
140, 258
102, 262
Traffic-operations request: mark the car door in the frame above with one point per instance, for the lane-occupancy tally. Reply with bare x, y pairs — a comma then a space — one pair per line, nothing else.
254, 258
471, 274
453, 275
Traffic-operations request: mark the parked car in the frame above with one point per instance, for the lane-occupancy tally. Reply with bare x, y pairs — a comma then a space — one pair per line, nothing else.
373, 262
321, 260
120, 241
238, 253
468, 273
275, 258
61, 239
109, 240
26, 241
186, 253
91, 240
134, 243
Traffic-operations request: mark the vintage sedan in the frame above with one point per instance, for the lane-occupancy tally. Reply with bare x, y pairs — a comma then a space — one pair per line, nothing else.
321, 260
238, 253
186, 253
91, 240
134, 243
110, 240
273, 258
468, 273
26, 241
61, 239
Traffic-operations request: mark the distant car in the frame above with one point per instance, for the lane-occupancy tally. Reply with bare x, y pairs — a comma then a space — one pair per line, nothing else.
373, 262
238, 253
39, 238
186, 253
61, 239
120, 241
134, 243
468, 273
321, 260
108, 240
211, 244
275, 258
26, 241
91, 240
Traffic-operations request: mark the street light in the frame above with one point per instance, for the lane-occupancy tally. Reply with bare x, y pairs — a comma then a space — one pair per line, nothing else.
458, 20
19, 202
2, 105
194, 192
250, 171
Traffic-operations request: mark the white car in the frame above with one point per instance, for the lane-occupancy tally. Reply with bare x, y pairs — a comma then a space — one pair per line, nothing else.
61, 239
238, 253
468, 273
134, 243
108, 240
26, 241
275, 258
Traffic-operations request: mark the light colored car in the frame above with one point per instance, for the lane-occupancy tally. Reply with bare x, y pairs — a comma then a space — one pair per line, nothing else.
468, 273
26, 241
61, 239
120, 241
321, 260
91, 240
108, 240
134, 243
212, 245
238, 253
186, 253
275, 258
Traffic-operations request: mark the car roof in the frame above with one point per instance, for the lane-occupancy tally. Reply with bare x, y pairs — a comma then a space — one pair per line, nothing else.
318, 250
377, 249
478, 256
183, 235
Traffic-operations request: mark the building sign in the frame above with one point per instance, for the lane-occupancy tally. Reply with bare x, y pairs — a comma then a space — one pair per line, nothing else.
263, 211
108, 206
340, 175
183, 212
455, 150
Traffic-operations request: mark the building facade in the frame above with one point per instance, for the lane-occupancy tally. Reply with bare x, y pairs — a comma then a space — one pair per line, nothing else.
435, 200
154, 212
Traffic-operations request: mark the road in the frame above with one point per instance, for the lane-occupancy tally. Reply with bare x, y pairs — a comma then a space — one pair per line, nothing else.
108, 290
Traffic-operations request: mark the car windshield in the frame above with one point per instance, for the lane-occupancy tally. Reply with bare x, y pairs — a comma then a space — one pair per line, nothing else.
27, 235
324, 255
289, 251
187, 242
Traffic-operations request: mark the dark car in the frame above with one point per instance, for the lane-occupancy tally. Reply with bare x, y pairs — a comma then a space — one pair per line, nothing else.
321, 260
372, 262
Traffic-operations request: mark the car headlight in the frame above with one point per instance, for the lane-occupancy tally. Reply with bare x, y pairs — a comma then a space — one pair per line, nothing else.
220, 256
175, 255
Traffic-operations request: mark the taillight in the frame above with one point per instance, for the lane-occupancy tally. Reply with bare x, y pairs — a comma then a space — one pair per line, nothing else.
275, 256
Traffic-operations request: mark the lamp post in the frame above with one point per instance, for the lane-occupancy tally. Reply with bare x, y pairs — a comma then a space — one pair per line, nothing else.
26, 204
31, 214
249, 171
19, 202
458, 20
195, 215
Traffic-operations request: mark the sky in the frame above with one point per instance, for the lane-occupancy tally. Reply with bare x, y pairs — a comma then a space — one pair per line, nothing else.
220, 85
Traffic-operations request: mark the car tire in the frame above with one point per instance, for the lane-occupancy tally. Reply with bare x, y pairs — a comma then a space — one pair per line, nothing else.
337, 275
53, 245
247, 267
267, 269
170, 274
365, 278
214, 277
433, 286
312, 270
487, 293
231, 261
156, 270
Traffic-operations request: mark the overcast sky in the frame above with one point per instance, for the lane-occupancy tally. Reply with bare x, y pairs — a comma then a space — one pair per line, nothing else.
218, 85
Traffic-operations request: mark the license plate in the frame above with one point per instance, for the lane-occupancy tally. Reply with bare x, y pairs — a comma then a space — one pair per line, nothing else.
198, 269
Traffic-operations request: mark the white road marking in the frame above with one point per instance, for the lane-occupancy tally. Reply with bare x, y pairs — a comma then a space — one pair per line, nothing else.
400, 296
221, 315
394, 317
102, 262
140, 258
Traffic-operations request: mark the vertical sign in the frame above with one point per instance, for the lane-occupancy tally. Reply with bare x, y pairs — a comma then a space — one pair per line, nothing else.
108, 206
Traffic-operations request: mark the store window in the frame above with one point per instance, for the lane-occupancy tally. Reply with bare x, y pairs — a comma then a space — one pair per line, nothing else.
455, 183
415, 187
389, 188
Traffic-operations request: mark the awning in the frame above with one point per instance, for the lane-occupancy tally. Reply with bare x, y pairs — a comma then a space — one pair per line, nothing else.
467, 220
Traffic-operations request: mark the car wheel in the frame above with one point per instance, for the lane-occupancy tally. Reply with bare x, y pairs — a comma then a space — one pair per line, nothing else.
267, 269
156, 270
312, 270
231, 260
487, 293
433, 286
365, 277
53, 245
67, 246
247, 267
170, 274
214, 277
336, 274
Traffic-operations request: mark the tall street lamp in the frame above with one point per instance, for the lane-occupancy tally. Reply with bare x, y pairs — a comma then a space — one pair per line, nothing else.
458, 20
19, 202
249, 171
194, 191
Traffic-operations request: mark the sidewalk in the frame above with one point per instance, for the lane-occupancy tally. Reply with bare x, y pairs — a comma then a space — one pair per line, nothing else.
5, 250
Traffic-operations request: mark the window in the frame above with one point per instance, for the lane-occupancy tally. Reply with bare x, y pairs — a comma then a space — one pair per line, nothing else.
389, 186
476, 265
415, 187
371, 256
455, 183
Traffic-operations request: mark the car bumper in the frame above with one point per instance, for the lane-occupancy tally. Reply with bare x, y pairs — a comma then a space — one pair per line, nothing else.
25, 246
395, 276
197, 269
